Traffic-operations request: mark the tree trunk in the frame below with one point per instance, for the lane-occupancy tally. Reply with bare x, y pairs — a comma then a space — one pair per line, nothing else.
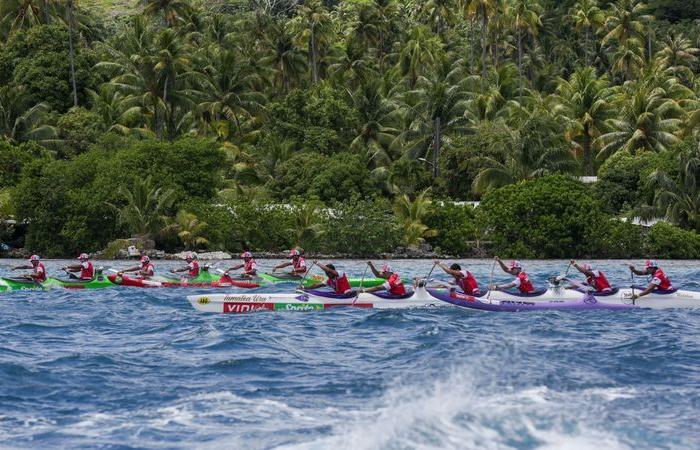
588, 46
72, 53
520, 61
649, 46
314, 68
588, 159
484, 41
437, 137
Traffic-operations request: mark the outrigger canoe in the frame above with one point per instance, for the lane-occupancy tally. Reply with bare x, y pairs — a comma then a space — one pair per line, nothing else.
205, 279
570, 299
269, 278
313, 300
22, 284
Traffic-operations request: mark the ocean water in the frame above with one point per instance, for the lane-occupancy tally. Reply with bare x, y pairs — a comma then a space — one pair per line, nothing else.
134, 368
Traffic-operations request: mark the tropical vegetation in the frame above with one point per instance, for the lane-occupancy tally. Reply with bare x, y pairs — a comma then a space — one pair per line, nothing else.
351, 126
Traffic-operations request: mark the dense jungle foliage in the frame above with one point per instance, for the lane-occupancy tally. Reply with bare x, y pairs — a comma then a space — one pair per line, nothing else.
352, 126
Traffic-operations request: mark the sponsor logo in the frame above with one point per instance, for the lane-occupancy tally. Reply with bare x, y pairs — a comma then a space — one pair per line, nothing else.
516, 302
238, 308
298, 307
245, 298
203, 300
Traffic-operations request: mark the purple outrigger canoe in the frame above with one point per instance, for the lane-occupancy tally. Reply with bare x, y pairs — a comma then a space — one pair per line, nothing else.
586, 302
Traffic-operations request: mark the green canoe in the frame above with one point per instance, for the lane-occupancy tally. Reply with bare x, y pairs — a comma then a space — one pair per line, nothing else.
21, 284
314, 279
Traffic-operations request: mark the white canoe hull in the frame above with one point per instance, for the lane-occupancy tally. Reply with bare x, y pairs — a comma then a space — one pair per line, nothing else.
236, 303
678, 299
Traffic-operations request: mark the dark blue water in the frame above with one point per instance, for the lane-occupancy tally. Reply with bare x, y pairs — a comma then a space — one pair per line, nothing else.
132, 368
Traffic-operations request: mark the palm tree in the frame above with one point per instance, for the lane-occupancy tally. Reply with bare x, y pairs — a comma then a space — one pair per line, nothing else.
678, 198
22, 121
440, 13
527, 22
229, 87
628, 58
144, 207
377, 131
488, 98
439, 110
120, 114
285, 58
648, 121
482, 10
421, 51
588, 18
586, 103
171, 10
678, 56
18, 15
411, 215
190, 230
306, 224
317, 26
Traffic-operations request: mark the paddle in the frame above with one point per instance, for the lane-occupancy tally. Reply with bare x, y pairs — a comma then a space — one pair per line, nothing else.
488, 294
362, 282
301, 283
632, 280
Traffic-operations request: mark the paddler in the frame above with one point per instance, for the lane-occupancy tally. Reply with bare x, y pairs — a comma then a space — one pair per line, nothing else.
594, 277
145, 270
464, 279
521, 281
393, 284
659, 280
86, 269
192, 267
249, 266
38, 270
336, 281
297, 262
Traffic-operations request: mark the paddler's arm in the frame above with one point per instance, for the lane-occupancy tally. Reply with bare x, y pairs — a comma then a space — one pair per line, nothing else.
327, 269
502, 287
646, 291
500, 263
313, 286
374, 271
236, 267
130, 269
373, 289
454, 273
587, 273
72, 268
637, 272
184, 269
281, 266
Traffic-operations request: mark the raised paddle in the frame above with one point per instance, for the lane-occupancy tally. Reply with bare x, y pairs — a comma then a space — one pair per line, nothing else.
362, 282
488, 294
301, 283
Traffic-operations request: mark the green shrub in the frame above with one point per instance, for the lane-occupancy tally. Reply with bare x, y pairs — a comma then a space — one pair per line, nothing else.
360, 227
668, 242
456, 227
550, 217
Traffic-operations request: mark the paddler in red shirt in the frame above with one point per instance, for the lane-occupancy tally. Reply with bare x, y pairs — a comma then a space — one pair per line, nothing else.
594, 277
86, 269
249, 266
336, 281
144, 271
393, 284
297, 262
464, 279
659, 280
521, 281
192, 267
38, 270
